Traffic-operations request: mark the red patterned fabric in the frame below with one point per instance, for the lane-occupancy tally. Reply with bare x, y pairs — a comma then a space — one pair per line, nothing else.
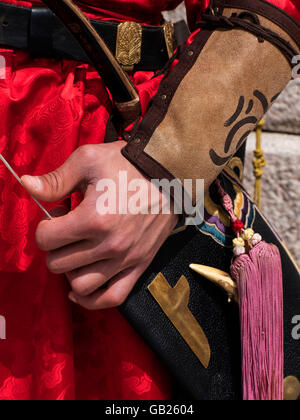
53, 350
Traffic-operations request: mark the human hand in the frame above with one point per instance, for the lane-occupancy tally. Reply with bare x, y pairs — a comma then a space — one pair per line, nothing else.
96, 250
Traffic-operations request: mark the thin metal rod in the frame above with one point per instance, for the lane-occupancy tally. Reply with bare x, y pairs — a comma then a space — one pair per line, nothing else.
20, 181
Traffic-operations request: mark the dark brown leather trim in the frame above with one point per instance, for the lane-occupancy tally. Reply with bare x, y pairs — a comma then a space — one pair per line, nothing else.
147, 165
133, 151
271, 12
250, 22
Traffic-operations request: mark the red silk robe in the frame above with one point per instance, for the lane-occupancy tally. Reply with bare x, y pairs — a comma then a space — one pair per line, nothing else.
55, 350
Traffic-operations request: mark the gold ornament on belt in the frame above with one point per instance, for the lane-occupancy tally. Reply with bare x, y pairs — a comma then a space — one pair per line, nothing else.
129, 45
169, 33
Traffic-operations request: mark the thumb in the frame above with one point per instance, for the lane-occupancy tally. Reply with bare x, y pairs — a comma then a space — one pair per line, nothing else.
57, 184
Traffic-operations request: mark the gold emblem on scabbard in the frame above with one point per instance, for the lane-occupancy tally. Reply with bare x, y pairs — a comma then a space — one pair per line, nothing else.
174, 302
129, 45
169, 33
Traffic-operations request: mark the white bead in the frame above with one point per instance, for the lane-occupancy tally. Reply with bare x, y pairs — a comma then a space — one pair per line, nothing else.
256, 239
239, 250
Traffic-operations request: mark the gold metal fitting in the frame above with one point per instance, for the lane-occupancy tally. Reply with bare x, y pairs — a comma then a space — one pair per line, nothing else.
169, 33
129, 45
291, 388
220, 278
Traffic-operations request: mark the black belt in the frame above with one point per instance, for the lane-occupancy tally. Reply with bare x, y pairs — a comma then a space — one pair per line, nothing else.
39, 31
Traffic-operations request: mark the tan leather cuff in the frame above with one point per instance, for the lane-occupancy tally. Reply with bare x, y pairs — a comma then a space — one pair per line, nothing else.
224, 83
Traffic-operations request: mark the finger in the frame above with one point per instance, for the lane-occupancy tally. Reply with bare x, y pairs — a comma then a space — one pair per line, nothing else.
72, 257
87, 280
62, 231
58, 184
114, 295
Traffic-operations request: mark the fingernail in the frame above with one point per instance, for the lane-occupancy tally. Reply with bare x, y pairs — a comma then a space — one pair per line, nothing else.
72, 297
34, 181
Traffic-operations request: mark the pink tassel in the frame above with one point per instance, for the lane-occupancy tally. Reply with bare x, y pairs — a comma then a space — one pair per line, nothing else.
259, 279
257, 271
